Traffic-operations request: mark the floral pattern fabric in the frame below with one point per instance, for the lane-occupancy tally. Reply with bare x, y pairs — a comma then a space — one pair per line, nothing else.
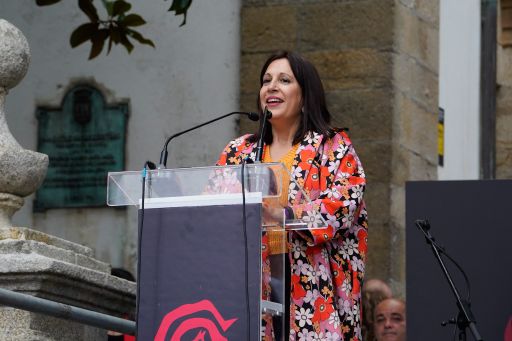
327, 265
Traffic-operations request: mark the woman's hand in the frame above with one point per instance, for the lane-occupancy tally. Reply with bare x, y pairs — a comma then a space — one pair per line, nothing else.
272, 213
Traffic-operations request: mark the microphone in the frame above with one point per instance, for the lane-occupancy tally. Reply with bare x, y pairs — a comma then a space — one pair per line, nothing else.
149, 165
267, 114
423, 225
163, 154
256, 180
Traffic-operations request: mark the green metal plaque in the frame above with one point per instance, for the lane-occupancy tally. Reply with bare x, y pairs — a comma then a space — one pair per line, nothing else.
84, 139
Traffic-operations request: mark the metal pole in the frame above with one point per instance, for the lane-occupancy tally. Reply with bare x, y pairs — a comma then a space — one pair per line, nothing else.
64, 311
465, 317
488, 90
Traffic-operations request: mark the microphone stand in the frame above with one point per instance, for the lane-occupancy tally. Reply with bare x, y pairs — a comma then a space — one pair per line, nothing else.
258, 184
465, 317
164, 153
267, 114
163, 162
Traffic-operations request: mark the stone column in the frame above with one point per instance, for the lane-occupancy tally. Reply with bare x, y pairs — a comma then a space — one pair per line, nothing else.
35, 263
21, 171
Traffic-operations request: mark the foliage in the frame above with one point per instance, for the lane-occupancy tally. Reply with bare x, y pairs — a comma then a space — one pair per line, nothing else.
117, 28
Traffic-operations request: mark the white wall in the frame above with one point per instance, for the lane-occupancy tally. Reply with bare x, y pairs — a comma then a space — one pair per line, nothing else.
459, 88
191, 76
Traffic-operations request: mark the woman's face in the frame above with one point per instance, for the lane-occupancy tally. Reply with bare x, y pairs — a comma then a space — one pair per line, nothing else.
281, 93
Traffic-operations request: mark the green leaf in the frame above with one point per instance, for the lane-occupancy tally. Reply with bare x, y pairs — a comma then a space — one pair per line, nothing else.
132, 20
46, 2
88, 8
115, 34
83, 33
140, 38
110, 39
181, 7
98, 41
120, 7
109, 45
109, 6
126, 43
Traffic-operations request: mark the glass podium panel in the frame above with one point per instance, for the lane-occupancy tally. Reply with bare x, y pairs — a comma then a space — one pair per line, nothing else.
262, 182
125, 188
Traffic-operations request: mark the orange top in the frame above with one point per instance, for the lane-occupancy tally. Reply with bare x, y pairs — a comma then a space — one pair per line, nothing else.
287, 160
277, 239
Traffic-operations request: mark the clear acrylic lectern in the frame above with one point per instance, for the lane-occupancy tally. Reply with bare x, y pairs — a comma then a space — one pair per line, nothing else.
192, 242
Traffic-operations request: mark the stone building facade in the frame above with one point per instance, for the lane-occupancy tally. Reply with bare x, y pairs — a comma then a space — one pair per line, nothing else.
169, 89
378, 63
378, 59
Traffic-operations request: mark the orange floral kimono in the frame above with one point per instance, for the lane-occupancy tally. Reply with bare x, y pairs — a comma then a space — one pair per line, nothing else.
327, 265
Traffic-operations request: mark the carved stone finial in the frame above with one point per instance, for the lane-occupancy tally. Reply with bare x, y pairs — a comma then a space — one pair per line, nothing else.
14, 55
21, 171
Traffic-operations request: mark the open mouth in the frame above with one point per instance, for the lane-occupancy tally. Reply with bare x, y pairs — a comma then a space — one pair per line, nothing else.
273, 101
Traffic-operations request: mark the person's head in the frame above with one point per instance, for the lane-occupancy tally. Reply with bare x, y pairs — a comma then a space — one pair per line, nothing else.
292, 90
389, 320
374, 291
377, 288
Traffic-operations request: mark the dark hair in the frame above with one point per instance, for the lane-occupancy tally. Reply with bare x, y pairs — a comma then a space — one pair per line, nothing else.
314, 117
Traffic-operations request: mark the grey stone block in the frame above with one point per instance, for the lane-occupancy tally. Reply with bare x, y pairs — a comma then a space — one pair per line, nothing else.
24, 233
51, 268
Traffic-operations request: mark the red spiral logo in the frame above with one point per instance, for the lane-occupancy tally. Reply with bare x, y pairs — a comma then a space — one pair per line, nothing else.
207, 325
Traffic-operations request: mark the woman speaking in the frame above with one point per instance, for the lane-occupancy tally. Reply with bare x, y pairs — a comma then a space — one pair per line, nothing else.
326, 266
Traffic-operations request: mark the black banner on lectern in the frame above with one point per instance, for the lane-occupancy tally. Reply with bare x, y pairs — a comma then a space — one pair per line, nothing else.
192, 279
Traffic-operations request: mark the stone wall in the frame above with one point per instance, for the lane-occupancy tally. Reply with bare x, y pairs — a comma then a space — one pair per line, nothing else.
415, 75
503, 105
378, 63
48, 267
